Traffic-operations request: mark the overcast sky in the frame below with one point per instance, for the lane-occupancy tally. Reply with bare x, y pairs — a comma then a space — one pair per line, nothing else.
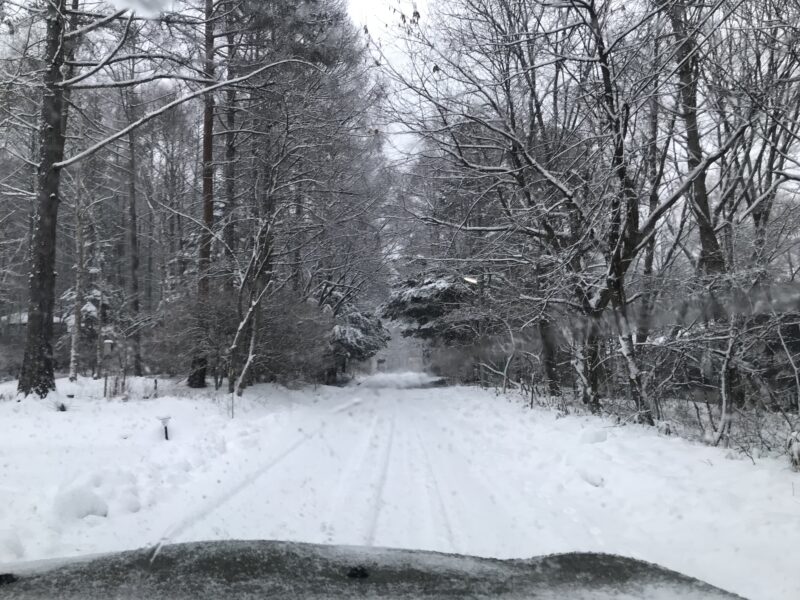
382, 18
378, 13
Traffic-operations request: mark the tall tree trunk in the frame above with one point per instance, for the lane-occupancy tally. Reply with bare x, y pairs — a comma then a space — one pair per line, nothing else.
80, 279
98, 349
148, 282
230, 138
653, 165
38, 366
118, 268
230, 172
712, 258
624, 222
133, 243
197, 377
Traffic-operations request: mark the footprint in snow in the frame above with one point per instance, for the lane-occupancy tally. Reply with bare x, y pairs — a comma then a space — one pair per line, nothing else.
593, 479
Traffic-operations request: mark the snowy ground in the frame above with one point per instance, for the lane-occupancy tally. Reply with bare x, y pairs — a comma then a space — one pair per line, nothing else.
448, 469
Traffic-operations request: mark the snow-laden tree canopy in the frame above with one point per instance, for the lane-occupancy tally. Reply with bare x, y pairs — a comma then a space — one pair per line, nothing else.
437, 306
359, 335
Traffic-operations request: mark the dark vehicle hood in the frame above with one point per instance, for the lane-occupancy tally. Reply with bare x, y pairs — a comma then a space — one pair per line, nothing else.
269, 569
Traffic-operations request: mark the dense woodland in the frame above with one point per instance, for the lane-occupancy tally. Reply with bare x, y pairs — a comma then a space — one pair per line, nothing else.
610, 197
598, 206
217, 184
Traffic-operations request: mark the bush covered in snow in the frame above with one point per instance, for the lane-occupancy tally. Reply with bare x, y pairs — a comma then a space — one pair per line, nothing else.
358, 335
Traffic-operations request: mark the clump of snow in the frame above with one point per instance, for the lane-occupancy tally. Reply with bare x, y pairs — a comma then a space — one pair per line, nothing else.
78, 502
591, 477
397, 380
593, 435
429, 288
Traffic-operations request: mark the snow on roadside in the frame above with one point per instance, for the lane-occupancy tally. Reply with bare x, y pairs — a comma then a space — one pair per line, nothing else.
585, 483
385, 463
91, 479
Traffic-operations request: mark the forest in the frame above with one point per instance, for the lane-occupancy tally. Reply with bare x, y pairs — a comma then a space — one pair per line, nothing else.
207, 184
593, 202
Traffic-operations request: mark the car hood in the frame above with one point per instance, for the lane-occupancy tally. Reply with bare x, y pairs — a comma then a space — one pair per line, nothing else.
270, 569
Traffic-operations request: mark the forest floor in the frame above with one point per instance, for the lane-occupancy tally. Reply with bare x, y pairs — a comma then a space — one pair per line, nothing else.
381, 463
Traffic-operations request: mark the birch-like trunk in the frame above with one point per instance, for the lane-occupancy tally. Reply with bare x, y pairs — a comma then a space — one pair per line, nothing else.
80, 278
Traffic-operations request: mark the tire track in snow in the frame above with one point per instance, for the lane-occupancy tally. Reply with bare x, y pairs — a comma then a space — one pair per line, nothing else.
355, 508
470, 502
441, 506
227, 494
394, 490
349, 478
378, 501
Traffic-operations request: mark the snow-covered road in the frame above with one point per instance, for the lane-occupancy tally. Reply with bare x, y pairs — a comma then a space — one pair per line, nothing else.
448, 469
382, 471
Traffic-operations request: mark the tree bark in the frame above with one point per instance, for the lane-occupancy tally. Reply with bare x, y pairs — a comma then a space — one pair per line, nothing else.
229, 234
38, 367
197, 377
653, 166
547, 334
80, 278
712, 259
133, 242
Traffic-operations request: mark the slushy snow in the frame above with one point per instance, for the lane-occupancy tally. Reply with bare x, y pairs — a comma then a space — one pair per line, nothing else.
384, 463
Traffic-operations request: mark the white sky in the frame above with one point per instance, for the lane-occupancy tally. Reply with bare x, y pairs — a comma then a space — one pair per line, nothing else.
382, 18
144, 7
376, 14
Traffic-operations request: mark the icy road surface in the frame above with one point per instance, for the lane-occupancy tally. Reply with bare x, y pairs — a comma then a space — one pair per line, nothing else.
383, 464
